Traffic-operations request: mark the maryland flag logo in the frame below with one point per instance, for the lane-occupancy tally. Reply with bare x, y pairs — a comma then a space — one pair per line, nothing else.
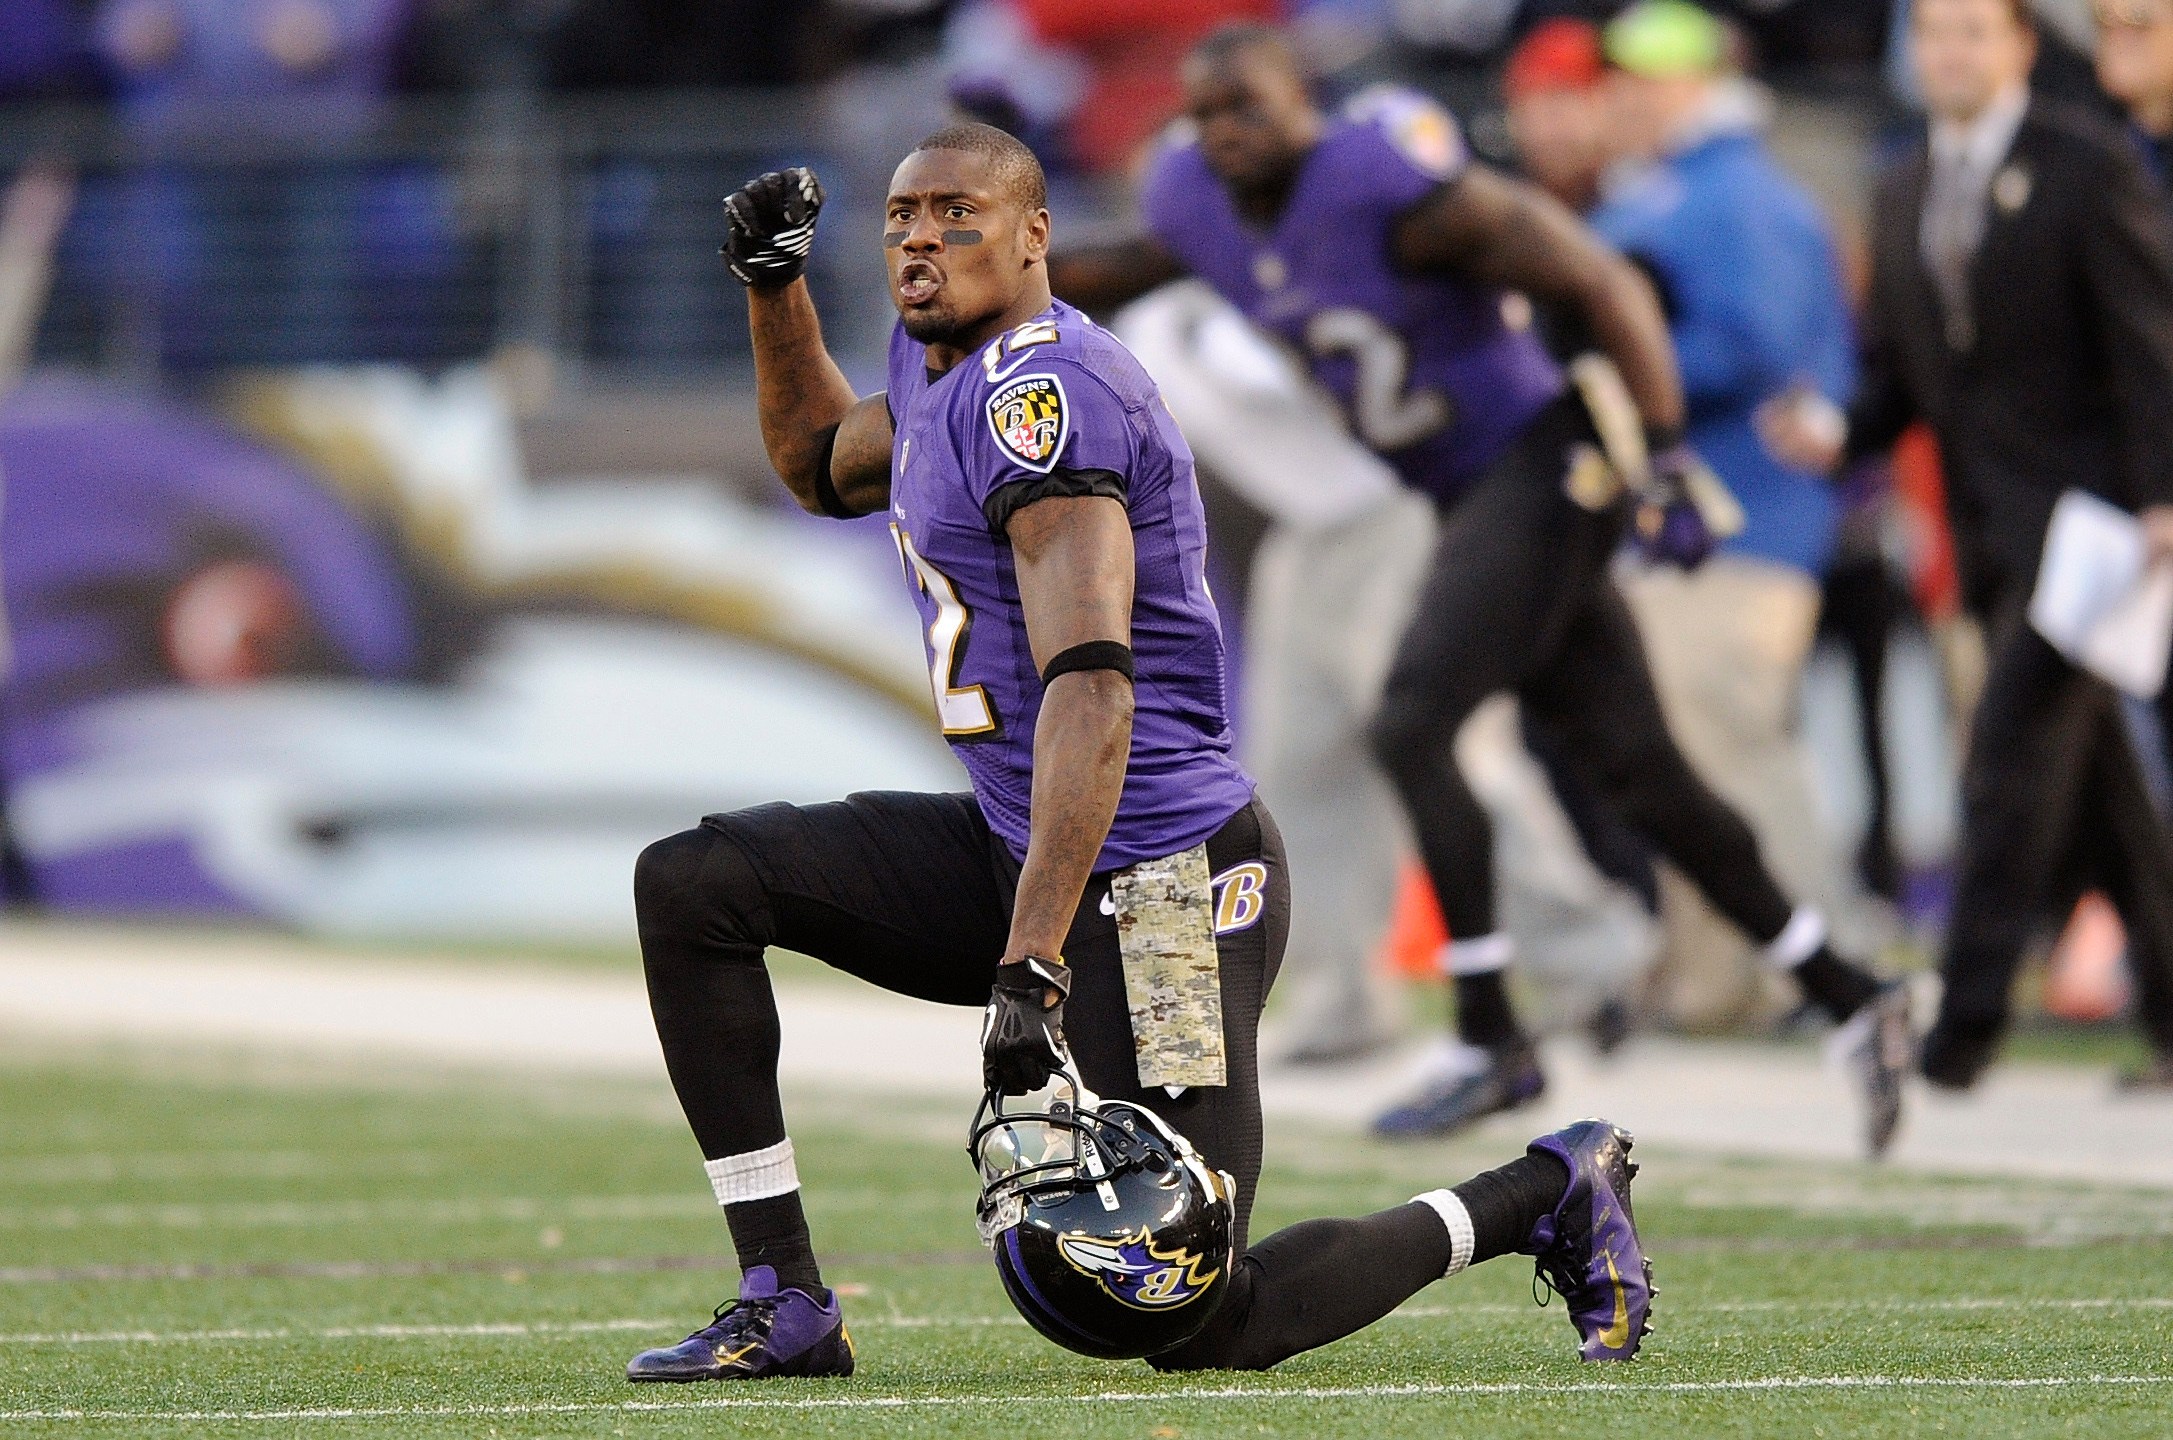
1030, 420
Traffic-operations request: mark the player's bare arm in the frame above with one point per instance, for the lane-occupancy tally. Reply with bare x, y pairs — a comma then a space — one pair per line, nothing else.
813, 425
1104, 275
829, 446
1503, 232
1074, 559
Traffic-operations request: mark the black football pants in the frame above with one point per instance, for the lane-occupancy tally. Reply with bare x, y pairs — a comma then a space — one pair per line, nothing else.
2053, 803
1519, 599
913, 893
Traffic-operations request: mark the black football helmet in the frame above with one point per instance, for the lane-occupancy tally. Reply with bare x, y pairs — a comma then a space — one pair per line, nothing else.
1111, 1234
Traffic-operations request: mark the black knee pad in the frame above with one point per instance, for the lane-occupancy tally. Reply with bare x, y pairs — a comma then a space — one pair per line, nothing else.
697, 887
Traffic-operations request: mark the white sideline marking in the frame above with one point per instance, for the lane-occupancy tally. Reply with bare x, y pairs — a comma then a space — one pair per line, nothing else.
516, 1328
1126, 1397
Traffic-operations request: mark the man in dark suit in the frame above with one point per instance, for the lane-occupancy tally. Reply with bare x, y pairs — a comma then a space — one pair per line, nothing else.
2022, 302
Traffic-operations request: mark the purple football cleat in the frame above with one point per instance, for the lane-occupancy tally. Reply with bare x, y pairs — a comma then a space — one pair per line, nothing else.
766, 1332
1588, 1251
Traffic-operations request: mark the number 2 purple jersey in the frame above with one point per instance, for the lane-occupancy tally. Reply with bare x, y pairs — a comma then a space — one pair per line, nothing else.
1059, 407
1429, 370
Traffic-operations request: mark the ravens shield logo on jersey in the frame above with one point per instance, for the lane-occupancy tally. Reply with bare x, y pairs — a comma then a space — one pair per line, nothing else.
1030, 420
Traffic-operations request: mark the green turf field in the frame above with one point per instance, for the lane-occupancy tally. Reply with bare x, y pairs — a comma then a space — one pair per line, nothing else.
197, 1247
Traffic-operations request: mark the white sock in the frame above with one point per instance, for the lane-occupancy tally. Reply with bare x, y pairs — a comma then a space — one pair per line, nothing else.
756, 1175
1449, 1058
1480, 956
1463, 1237
1803, 937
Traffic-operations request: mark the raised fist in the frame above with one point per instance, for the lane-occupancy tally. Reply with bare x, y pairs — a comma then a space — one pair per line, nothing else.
770, 227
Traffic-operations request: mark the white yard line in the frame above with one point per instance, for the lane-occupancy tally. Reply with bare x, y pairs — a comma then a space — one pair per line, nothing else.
1218, 1394
290, 1214
2109, 1305
98, 1167
480, 1329
305, 1214
276, 994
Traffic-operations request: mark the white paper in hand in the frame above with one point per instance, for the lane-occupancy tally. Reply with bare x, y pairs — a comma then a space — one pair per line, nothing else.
2096, 603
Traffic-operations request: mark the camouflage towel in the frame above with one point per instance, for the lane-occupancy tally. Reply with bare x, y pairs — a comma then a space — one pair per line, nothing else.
1166, 934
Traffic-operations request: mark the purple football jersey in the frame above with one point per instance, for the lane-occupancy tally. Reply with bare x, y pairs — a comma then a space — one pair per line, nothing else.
1057, 406
1430, 370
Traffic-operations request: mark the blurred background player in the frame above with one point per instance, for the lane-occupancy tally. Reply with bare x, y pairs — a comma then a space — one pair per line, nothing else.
1372, 242
2022, 302
1331, 588
1748, 276
1332, 583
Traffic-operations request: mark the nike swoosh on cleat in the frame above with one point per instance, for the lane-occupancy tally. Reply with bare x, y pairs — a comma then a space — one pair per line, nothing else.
735, 1356
1616, 1335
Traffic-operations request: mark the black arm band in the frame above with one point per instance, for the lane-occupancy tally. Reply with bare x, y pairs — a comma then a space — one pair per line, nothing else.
826, 494
1093, 655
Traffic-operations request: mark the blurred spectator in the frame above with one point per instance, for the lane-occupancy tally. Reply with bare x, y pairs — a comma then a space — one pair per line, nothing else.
257, 244
1753, 292
1791, 32
2022, 303
1001, 73
296, 68
2061, 70
44, 50
1558, 116
477, 45
651, 266
1132, 49
641, 44
2135, 65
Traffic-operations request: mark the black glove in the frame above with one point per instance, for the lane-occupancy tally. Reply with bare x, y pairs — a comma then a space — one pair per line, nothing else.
770, 227
1022, 1034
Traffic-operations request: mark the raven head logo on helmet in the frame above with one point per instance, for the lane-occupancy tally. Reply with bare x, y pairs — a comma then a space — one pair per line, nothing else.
1112, 1236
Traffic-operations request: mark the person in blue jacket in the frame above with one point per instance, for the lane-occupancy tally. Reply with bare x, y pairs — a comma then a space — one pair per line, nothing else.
1747, 271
